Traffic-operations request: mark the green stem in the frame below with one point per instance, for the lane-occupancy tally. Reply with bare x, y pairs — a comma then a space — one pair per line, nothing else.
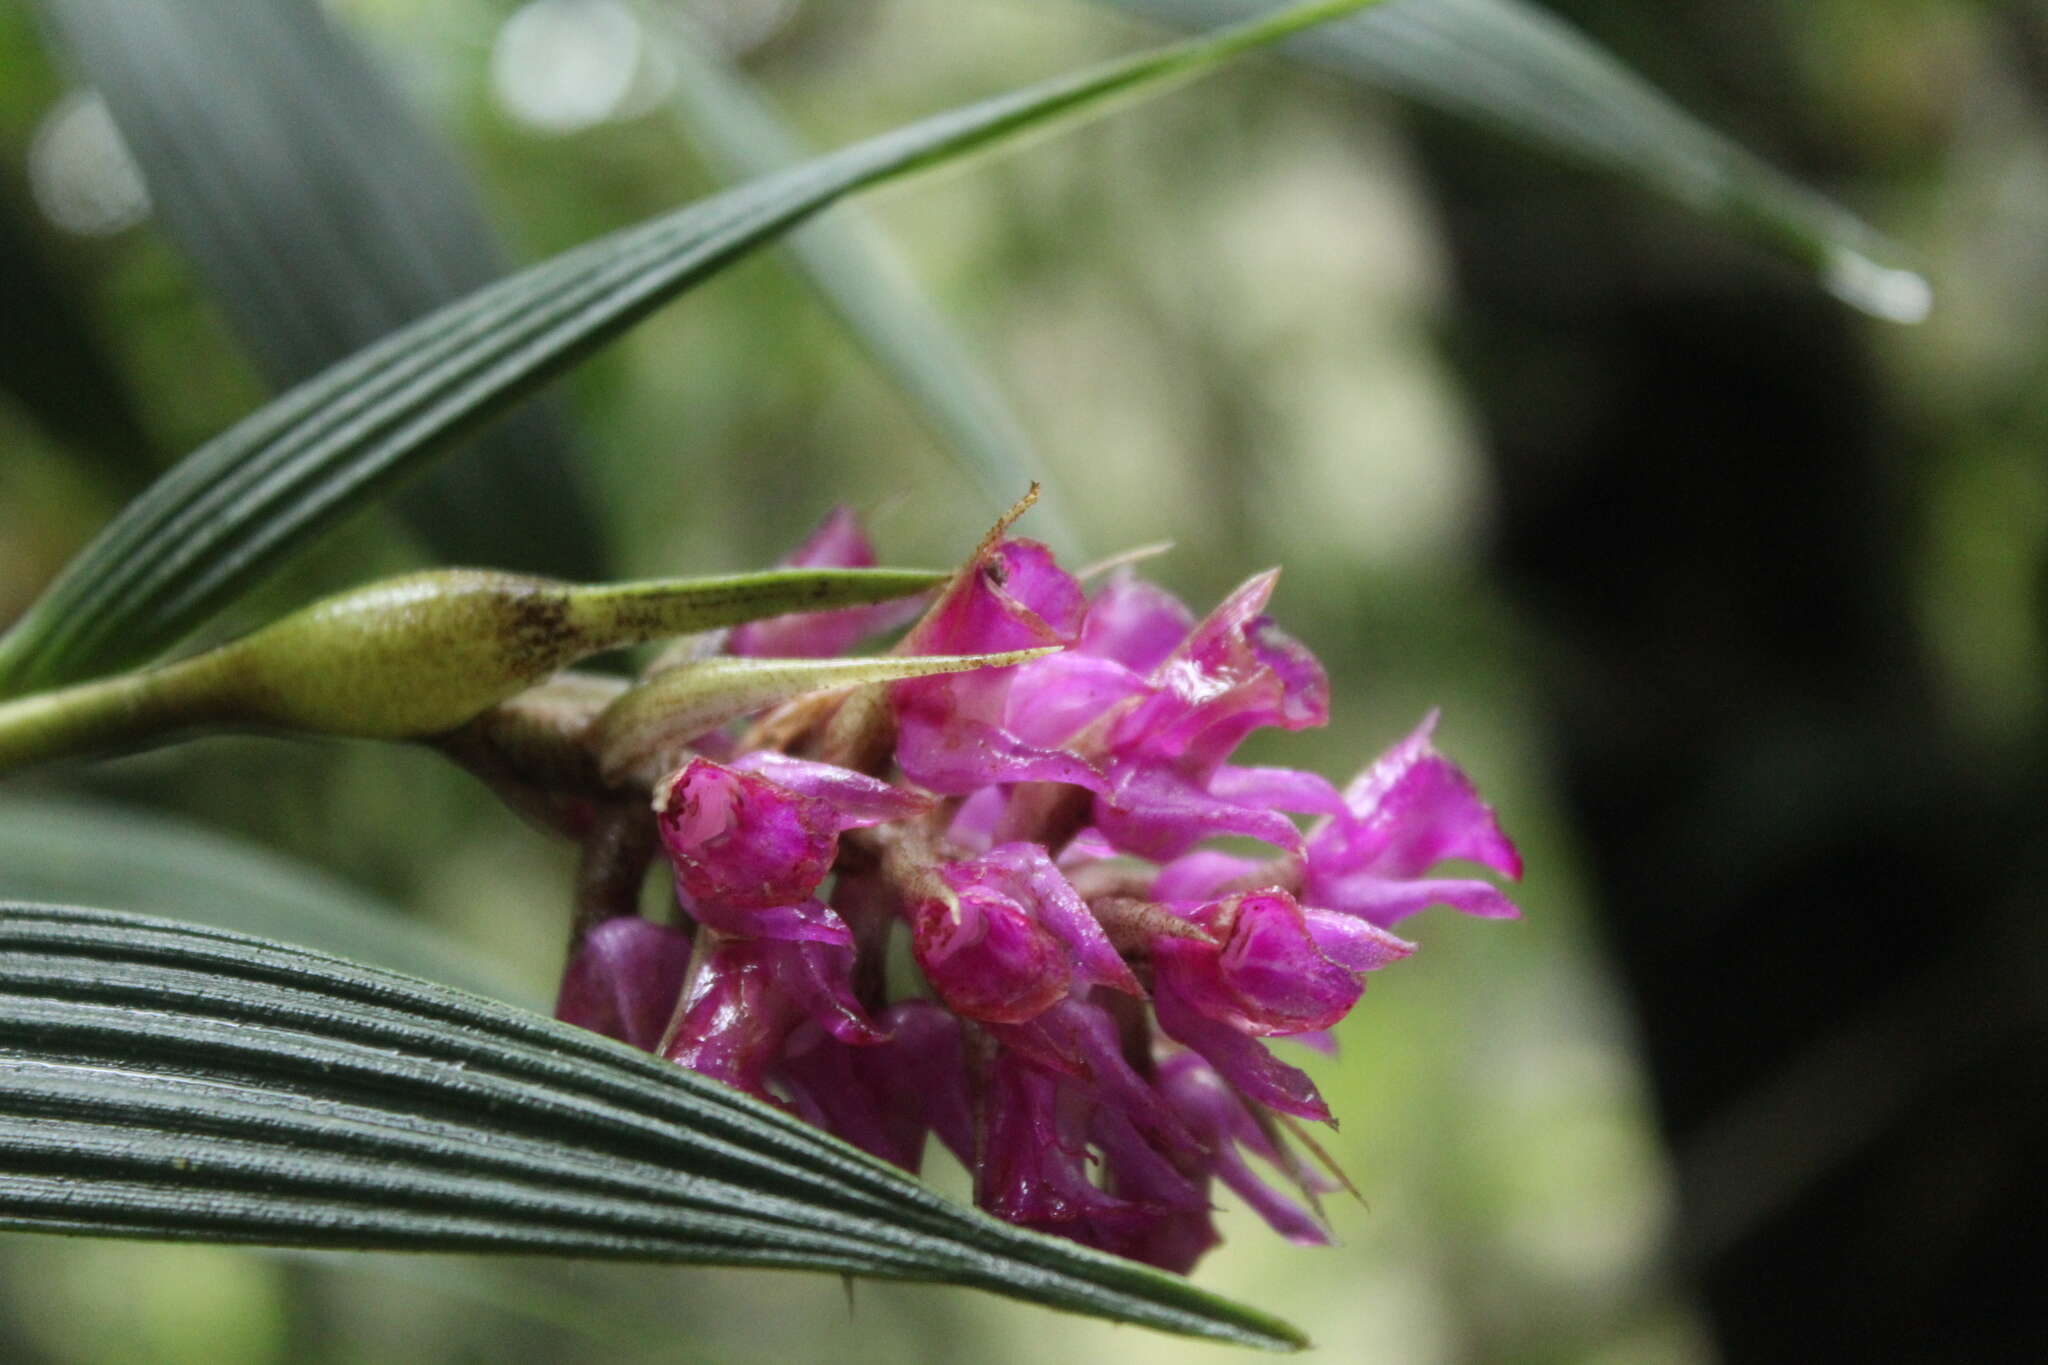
130, 711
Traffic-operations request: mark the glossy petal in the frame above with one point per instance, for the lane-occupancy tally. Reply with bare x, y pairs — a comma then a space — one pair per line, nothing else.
1264, 973
1207, 1105
1200, 876
1289, 789
1235, 672
953, 732
1241, 1060
1034, 1163
747, 997
624, 980
762, 833
1411, 810
1159, 811
1053, 699
1028, 876
857, 801
1078, 1040
987, 956
808, 921
1135, 623
735, 1020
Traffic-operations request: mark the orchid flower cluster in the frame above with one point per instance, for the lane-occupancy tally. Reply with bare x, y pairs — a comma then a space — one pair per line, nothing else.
1088, 984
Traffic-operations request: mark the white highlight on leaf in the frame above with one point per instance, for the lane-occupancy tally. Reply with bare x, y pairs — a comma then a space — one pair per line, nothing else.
80, 171
562, 66
1884, 291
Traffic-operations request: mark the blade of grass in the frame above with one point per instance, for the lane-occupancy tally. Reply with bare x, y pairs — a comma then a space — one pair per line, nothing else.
237, 505
1518, 67
322, 216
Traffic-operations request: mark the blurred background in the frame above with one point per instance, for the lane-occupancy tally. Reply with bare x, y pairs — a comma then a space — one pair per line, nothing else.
1732, 599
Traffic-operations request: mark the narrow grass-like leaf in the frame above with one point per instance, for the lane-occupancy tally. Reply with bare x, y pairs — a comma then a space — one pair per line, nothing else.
322, 216
858, 273
163, 1081
234, 507
98, 853
1522, 69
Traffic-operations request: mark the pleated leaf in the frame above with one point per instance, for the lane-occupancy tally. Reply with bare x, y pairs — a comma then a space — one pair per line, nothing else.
1524, 70
321, 216
234, 507
162, 1081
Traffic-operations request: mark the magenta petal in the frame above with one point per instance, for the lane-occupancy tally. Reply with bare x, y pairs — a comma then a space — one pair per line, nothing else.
1138, 624
1200, 876
734, 1021
1054, 698
1411, 810
742, 840
1316, 1040
1199, 1095
955, 756
1282, 979
1032, 878
1135, 1169
830, 1087
855, 800
987, 956
1266, 977
1282, 1214
838, 543
1304, 686
1356, 944
1158, 812
885, 1096
923, 1068
1000, 602
953, 732
810, 921
1382, 901
1032, 577
1033, 1168
975, 822
1079, 1040
624, 980
1280, 788
819, 978
1234, 673
1242, 1061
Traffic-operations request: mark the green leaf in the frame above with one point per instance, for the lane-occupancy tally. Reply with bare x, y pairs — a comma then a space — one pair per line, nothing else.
169, 1082
858, 273
238, 504
322, 216
1522, 69
97, 853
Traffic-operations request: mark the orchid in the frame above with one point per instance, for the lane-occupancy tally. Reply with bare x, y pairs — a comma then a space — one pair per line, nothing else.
1094, 983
